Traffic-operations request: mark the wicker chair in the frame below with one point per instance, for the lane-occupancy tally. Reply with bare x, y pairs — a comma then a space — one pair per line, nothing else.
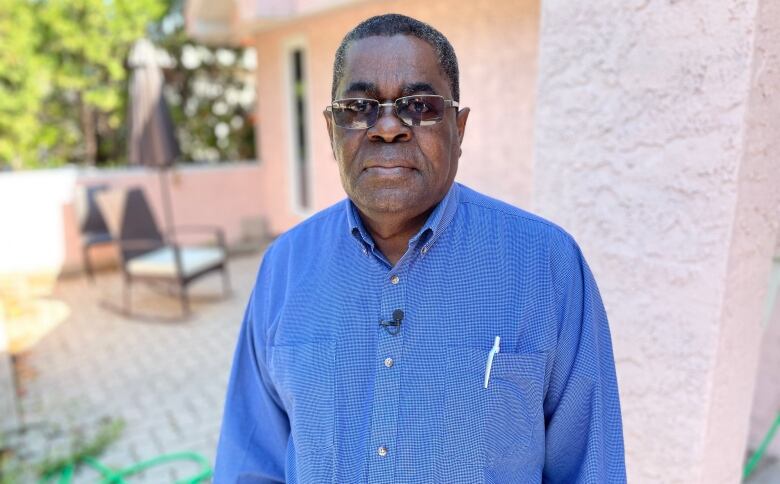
148, 255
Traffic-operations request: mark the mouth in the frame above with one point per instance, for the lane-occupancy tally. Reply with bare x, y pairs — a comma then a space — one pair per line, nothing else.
382, 165
388, 170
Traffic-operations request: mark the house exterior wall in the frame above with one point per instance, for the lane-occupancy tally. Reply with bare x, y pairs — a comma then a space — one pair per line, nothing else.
656, 146
268, 9
496, 44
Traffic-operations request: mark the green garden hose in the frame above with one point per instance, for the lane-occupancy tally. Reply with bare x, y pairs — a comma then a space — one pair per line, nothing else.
756, 457
117, 476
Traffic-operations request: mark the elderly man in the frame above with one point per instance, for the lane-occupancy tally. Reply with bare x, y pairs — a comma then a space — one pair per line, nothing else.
418, 332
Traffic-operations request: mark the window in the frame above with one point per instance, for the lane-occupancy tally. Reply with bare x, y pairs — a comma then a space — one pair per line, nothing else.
299, 130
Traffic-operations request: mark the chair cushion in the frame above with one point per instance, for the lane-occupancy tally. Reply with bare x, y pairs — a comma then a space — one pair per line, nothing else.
160, 262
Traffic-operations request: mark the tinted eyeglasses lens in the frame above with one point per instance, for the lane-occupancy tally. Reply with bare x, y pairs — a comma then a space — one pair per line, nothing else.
355, 113
420, 110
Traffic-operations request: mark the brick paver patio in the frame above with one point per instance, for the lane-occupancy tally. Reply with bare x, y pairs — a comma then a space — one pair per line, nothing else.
165, 379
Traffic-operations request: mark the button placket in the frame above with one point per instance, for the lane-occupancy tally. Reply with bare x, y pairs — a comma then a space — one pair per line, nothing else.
381, 467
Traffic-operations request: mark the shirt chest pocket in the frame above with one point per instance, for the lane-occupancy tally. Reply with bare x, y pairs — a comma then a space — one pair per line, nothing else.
483, 425
304, 379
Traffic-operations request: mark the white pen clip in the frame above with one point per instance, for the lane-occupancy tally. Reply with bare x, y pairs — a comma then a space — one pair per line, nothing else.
491, 355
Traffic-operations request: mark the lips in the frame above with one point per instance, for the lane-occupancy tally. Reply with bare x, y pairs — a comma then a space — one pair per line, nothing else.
381, 165
388, 171
389, 162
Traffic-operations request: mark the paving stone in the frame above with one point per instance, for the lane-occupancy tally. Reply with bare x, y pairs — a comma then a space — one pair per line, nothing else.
166, 380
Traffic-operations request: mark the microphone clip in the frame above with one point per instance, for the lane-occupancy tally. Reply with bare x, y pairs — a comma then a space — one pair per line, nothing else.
393, 327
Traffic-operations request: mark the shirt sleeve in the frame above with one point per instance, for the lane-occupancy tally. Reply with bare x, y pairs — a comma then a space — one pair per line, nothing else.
255, 427
584, 435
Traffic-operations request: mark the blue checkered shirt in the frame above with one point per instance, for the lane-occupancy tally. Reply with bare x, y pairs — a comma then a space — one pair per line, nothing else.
349, 369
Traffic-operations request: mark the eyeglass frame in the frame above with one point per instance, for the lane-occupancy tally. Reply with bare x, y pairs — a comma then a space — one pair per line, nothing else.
448, 103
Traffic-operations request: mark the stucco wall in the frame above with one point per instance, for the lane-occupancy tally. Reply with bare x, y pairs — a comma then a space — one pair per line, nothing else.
751, 250
496, 46
655, 148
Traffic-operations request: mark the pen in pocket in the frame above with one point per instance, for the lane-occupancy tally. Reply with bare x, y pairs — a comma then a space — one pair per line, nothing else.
491, 355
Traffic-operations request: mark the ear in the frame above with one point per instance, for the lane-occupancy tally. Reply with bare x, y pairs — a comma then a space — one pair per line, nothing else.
460, 121
329, 123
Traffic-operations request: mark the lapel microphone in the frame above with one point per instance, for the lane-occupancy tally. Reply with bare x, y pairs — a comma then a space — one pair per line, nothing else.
393, 327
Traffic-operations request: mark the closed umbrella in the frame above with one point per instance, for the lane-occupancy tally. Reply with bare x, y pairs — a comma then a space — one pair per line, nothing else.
152, 139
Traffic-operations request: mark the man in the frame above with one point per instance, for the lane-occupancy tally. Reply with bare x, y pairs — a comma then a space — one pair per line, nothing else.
418, 332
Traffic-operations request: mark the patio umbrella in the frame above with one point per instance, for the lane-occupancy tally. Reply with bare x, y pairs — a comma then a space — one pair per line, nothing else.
152, 140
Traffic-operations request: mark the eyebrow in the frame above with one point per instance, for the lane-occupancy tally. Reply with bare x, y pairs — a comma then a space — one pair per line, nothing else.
418, 87
362, 87
369, 88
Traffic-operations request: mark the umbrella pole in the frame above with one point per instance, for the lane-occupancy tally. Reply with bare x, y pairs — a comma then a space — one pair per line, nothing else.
167, 206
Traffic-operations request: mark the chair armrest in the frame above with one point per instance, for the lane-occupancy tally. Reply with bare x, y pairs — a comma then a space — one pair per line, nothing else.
217, 232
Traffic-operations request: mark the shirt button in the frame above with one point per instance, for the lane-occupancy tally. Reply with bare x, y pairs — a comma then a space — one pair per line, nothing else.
395, 279
389, 362
382, 451
425, 250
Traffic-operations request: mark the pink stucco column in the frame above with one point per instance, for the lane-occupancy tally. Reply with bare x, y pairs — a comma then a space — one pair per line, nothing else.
657, 140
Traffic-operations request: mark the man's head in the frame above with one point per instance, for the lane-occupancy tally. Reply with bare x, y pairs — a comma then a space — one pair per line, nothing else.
392, 168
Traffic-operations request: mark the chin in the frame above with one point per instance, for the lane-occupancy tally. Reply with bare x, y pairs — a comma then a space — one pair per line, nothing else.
388, 200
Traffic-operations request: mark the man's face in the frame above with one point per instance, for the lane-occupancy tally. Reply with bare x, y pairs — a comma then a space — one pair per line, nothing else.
392, 168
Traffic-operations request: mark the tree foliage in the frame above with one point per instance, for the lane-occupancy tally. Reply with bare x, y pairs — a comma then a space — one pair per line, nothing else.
64, 83
63, 74
210, 90
23, 81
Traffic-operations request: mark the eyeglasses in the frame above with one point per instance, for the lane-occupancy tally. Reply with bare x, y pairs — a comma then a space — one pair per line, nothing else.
360, 113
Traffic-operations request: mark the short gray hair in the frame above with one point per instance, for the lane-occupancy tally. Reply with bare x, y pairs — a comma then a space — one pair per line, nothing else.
392, 24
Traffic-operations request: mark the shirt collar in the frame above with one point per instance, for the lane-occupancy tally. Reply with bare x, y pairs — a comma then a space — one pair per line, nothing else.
436, 224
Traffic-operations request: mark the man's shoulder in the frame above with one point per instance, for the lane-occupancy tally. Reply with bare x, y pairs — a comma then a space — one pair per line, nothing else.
509, 217
524, 235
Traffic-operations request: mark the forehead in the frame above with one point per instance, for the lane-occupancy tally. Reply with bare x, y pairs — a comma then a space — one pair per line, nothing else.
391, 63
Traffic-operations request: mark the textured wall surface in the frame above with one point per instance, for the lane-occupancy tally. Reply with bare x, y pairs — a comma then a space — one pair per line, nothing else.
751, 250
496, 44
655, 148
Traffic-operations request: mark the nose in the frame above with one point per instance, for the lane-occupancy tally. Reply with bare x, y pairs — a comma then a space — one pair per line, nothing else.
389, 128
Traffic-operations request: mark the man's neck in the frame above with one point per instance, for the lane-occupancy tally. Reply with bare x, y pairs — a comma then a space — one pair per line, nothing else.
391, 233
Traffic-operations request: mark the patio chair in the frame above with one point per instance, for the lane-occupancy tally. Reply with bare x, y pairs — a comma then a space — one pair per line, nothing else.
148, 255
92, 226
